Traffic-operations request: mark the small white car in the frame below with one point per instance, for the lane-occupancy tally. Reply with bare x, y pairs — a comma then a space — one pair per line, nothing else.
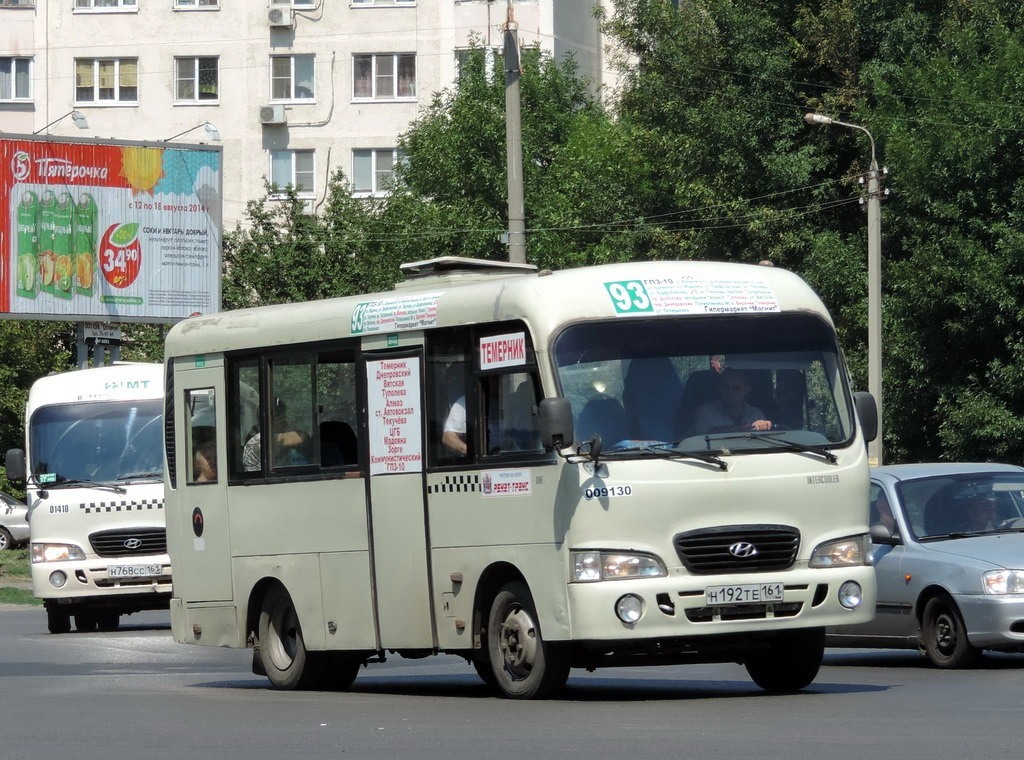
13, 522
949, 562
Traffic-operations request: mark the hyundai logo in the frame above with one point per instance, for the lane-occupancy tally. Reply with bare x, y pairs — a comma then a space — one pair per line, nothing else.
743, 550
136, 543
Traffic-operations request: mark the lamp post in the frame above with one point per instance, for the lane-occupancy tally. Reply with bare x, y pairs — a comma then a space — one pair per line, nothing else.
211, 131
76, 116
874, 279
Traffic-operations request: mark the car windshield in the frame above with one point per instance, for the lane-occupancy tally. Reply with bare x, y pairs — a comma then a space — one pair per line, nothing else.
98, 442
953, 506
699, 384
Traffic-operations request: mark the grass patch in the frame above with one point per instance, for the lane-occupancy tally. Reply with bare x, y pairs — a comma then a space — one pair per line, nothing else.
18, 596
14, 565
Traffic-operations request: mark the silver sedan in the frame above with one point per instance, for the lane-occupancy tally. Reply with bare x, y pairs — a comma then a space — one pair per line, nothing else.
13, 522
949, 557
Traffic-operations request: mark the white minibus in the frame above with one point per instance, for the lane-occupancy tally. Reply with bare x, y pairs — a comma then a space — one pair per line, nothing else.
636, 463
93, 472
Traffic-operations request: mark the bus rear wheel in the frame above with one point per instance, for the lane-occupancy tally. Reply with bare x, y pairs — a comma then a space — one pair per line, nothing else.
524, 665
790, 663
282, 649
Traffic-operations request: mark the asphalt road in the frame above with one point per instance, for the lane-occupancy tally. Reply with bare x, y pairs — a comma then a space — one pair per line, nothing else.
135, 694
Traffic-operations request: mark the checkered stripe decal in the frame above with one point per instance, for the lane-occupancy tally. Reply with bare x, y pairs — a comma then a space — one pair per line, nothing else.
104, 507
456, 484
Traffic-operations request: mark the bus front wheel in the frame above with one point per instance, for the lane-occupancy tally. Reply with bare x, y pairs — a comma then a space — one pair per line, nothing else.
282, 649
524, 665
790, 663
58, 620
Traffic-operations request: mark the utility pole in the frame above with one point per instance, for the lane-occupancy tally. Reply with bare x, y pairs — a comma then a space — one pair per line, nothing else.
514, 143
874, 204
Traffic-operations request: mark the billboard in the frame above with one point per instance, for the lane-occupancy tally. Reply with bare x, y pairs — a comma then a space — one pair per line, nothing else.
108, 231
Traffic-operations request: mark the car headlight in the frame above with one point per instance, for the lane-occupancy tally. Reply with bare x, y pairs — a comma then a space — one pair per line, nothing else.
56, 552
843, 552
591, 566
1003, 582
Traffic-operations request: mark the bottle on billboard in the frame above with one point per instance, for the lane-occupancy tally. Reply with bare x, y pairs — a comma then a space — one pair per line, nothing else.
47, 225
85, 244
63, 238
28, 244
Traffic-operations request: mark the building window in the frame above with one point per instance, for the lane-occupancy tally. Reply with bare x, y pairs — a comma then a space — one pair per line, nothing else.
101, 4
190, 4
15, 78
365, 3
292, 168
291, 77
384, 76
17, 3
373, 170
294, 3
195, 79
101, 80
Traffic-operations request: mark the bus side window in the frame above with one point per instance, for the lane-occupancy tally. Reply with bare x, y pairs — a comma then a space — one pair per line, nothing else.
244, 423
511, 411
337, 410
202, 436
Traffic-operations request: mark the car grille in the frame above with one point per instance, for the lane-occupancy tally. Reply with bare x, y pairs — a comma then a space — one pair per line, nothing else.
714, 550
129, 542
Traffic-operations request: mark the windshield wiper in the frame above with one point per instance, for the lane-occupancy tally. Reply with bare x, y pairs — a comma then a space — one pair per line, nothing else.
91, 483
667, 451
139, 475
770, 435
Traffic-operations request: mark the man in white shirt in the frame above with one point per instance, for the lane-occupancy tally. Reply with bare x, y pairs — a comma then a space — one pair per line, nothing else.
730, 412
454, 436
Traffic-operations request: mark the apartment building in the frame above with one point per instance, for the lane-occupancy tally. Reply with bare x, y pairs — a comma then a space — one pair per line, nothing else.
292, 89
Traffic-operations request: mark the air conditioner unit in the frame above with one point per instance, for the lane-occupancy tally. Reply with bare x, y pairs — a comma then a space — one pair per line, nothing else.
273, 114
279, 17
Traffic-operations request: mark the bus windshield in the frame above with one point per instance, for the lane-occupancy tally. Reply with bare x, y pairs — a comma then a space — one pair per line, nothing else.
97, 442
726, 384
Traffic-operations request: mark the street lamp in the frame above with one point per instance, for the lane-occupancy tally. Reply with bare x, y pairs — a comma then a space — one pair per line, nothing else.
76, 116
874, 279
211, 131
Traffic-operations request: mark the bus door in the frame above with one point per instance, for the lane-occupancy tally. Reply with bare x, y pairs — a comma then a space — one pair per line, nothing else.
203, 572
397, 510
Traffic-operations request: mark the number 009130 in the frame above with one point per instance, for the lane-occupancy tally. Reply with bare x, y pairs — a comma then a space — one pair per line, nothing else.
744, 593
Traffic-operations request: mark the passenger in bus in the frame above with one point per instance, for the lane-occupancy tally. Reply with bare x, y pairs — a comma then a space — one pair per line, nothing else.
205, 469
730, 412
454, 435
290, 445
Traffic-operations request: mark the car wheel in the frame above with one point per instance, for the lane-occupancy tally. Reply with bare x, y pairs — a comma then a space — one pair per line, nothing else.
945, 636
524, 665
282, 649
790, 663
6, 539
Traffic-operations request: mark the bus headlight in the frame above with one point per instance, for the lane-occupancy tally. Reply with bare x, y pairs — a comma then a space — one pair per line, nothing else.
1003, 582
843, 552
591, 566
629, 608
851, 595
56, 552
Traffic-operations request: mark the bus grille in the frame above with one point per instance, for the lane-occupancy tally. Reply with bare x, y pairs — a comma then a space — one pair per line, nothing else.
129, 542
738, 549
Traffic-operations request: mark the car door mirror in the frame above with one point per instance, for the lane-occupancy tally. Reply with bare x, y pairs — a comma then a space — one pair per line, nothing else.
883, 535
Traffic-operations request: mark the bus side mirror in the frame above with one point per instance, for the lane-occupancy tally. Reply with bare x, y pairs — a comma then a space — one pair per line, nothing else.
867, 413
15, 464
555, 423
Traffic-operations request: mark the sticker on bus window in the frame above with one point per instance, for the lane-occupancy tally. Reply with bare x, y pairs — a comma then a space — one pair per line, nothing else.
505, 483
498, 351
391, 314
690, 295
